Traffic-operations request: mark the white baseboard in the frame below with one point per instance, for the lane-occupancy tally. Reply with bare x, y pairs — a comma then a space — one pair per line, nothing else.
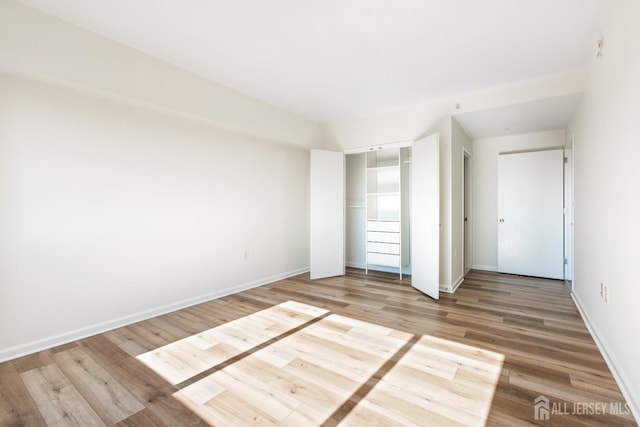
355, 265
98, 328
451, 288
485, 267
609, 358
405, 270
456, 284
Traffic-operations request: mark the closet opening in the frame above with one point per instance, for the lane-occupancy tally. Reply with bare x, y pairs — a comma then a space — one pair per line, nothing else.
379, 210
378, 219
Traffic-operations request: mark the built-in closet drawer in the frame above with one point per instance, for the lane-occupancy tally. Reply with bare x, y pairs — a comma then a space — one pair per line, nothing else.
383, 237
383, 248
383, 259
388, 226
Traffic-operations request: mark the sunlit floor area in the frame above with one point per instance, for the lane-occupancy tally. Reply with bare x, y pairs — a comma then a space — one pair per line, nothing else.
297, 365
354, 350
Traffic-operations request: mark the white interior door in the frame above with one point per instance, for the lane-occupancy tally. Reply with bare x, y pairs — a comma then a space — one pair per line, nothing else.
530, 213
327, 214
425, 215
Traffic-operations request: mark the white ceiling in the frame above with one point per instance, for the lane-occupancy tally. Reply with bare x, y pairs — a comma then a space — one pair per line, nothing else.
527, 117
337, 59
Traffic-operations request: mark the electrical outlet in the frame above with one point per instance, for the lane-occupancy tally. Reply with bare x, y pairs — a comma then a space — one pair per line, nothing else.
246, 255
601, 290
604, 292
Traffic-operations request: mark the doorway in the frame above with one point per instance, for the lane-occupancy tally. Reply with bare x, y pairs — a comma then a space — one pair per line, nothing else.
467, 225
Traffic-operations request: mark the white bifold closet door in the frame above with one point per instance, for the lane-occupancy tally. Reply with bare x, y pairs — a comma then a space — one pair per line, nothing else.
531, 213
425, 215
328, 215
327, 218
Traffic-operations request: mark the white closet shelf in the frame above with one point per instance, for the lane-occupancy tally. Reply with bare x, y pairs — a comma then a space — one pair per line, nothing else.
386, 193
384, 209
382, 168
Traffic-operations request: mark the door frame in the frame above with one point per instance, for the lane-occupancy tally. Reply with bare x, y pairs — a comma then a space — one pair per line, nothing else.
569, 208
467, 211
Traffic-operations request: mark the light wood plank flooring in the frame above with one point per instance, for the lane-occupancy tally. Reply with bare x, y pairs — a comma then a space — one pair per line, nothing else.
352, 350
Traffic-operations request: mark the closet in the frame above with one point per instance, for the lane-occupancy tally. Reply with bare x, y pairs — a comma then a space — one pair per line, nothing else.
378, 210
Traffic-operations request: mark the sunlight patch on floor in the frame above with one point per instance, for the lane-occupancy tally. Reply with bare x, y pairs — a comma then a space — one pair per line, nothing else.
183, 359
438, 382
331, 367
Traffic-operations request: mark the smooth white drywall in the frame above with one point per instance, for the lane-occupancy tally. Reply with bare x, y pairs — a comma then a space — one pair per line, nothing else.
40, 45
111, 210
607, 197
460, 141
485, 188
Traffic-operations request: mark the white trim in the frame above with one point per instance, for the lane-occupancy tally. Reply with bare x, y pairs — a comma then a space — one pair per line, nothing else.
568, 284
570, 207
609, 359
355, 265
530, 150
493, 268
98, 328
405, 269
452, 289
397, 144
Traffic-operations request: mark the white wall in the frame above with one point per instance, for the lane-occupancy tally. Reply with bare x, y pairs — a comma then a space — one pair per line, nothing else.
607, 195
130, 187
485, 188
112, 211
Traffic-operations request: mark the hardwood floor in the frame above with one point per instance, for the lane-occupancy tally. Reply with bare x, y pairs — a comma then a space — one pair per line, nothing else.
352, 350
